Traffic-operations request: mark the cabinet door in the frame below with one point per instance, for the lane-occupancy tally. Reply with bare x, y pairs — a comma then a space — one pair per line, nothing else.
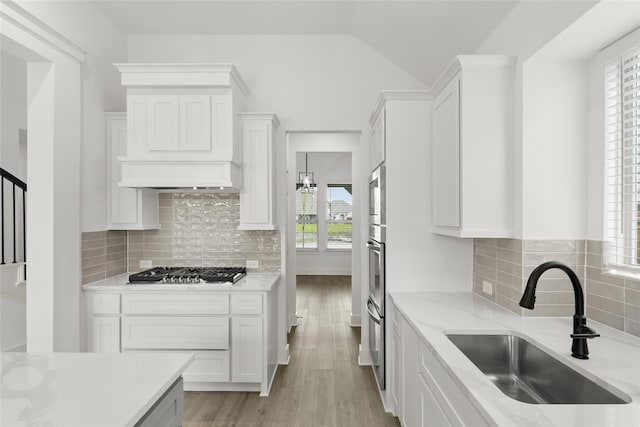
163, 119
431, 414
446, 156
255, 207
123, 202
411, 386
246, 349
396, 372
195, 122
105, 334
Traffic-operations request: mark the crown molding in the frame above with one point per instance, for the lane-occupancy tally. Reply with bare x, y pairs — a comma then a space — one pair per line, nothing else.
12, 15
260, 116
469, 62
200, 74
398, 95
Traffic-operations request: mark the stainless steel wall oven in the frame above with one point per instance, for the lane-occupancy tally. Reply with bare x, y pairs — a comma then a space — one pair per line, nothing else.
377, 292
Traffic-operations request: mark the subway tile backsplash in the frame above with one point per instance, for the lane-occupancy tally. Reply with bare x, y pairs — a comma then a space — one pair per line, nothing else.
200, 229
104, 254
507, 263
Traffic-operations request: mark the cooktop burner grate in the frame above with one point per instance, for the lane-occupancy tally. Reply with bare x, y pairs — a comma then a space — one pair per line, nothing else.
188, 275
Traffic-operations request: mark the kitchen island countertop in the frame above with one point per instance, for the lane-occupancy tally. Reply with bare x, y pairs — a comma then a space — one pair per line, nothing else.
251, 282
84, 389
614, 358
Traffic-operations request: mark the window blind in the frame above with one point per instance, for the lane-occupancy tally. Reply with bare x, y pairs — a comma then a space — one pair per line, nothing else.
622, 159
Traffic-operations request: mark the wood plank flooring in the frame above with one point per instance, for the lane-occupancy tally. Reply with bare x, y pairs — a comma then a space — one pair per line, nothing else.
322, 385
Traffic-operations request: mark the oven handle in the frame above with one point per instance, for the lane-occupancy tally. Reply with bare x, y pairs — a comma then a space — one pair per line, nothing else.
373, 315
372, 244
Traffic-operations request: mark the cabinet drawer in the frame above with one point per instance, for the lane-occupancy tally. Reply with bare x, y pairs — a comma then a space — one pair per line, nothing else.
246, 304
105, 303
450, 395
205, 333
191, 303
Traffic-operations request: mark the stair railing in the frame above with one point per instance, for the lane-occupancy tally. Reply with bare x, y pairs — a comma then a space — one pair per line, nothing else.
16, 183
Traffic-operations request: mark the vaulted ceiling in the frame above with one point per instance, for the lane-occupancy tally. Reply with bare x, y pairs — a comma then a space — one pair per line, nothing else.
420, 36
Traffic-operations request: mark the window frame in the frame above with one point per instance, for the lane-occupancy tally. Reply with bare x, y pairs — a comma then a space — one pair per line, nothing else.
335, 183
621, 190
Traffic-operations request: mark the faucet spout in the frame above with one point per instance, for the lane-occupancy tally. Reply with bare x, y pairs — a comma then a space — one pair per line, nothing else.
581, 332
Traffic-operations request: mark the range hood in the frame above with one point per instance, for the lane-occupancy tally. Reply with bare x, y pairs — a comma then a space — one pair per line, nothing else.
182, 126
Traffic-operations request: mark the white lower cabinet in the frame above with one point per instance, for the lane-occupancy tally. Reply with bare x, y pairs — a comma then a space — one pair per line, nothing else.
428, 396
246, 349
431, 414
105, 334
175, 332
208, 366
225, 332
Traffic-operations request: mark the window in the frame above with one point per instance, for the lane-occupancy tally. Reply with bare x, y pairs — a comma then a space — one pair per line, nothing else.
339, 216
622, 159
307, 217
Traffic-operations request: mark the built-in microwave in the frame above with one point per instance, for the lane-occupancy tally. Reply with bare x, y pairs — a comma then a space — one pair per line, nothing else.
377, 197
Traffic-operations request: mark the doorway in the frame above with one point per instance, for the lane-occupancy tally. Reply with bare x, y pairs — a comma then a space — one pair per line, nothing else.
324, 229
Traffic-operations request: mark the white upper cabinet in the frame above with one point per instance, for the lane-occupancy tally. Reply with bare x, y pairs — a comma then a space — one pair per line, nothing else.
183, 125
129, 208
377, 139
257, 195
472, 148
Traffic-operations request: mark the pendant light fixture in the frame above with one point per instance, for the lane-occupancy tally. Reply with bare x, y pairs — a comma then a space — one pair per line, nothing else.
305, 179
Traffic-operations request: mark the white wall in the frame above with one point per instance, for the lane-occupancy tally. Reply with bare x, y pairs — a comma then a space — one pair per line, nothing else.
328, 168
105, 44
13, 112
549, 120
13, 119
417, 259
554, 149
64, 93
13, 116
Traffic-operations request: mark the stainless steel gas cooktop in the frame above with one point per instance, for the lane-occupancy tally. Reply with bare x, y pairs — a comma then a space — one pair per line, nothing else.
188, 275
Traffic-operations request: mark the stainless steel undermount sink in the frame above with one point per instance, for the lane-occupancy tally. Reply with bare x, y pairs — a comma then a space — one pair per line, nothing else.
524, 372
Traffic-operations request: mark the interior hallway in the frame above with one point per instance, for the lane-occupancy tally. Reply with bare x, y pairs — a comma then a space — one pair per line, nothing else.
321, 386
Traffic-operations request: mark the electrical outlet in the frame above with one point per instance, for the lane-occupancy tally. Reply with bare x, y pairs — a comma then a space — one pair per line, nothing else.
487, 287
146, 263
253, 263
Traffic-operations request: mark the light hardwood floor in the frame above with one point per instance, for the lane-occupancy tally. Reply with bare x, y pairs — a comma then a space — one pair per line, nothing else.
322, 385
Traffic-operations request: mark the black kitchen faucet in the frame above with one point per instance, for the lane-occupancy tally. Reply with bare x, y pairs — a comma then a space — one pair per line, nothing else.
581, 332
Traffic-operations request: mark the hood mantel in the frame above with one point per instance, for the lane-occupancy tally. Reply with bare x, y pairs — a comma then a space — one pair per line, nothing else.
182, 126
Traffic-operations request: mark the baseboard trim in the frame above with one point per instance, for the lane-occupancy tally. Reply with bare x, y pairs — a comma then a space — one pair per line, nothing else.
354, 320
364, 358
283, 355
204, 386
323, 272
293, 321
270, 383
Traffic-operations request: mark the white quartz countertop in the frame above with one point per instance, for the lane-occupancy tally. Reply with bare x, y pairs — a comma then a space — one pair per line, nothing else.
250, 282
84, 389
614, 358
